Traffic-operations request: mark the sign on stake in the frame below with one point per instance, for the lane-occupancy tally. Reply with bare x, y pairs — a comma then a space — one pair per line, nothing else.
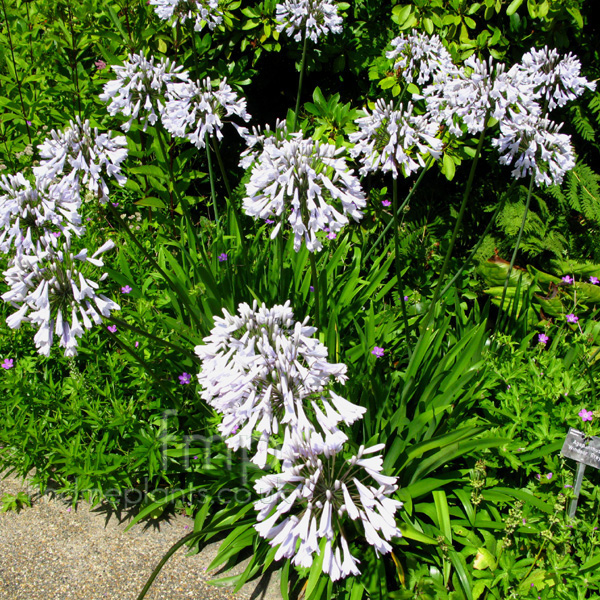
586, 451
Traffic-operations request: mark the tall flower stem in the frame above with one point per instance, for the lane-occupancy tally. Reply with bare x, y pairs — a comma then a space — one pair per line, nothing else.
222, 167
14, 62
400, 209
301, 79
230, 201
479, 241
211, 177
397, 263
520, 234
315, 280
457, 225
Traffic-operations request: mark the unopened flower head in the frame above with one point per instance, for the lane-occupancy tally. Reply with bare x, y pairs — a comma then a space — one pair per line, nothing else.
418, 57
306, 183
204, 12
535, 146
312, 18
194, 110
52, 290
30, 214
393, 140
87, 153
264, 372
555, 80
139, 90
315, 496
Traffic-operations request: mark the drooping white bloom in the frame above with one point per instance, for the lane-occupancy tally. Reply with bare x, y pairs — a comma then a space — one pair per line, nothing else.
419, 56
140, 87
393, 140
315, 17
205, 12
534, 145
265, 373
86, 153
306, 183
51, 289
34, 214
314, 495
195, 109
555, 80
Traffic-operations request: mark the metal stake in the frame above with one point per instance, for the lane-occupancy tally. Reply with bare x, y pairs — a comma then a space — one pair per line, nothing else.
577, 489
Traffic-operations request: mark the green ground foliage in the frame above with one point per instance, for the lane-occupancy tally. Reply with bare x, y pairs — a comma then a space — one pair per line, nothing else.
485, 367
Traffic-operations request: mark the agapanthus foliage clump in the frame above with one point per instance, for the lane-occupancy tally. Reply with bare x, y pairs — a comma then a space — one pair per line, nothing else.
84, 155
270, 380
305, 182
394, 140
203, 12
195, 110
138, 92
312, 18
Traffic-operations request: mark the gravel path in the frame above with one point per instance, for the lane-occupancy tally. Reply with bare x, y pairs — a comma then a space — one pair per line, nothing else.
53, 552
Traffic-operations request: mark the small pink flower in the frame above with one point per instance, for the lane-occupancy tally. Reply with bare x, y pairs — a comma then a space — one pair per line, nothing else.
8, 363
594, 280
331, 235
185, 378
100, 65
112, 328
137, 344
567, 279
377, 351
549, 476
126, 289
586, 415
386, 202
543, 338
222, 257
572, 318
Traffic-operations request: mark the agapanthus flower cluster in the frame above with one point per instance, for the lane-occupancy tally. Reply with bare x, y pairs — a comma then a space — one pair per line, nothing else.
393, 140
36, 214
305, 182
418, 57
315, 494
535, 146
270, 380
555, 80
464, 99
84, 155
52, 290
263, 372
312, 18
139, 90
204, 12
194, 110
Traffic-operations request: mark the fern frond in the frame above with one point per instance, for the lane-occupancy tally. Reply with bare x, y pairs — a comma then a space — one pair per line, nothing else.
583, 191
583, 126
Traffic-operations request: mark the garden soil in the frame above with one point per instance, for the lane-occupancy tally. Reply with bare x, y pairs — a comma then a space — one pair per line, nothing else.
51, 551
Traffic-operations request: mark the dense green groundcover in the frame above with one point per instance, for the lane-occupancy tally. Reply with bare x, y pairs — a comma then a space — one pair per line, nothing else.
481, 374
